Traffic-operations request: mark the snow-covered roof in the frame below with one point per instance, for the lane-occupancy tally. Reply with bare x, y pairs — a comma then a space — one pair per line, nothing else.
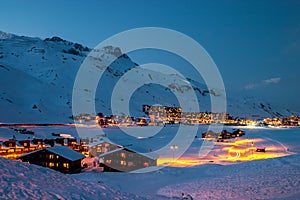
61, 151
18, 145
148, 154
143, 152
3, 146
102, 140
66, 153
110, 152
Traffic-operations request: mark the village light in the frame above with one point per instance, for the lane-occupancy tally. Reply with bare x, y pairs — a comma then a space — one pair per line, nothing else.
173, 148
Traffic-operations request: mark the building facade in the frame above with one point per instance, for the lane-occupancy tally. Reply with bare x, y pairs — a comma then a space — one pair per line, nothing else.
59, 158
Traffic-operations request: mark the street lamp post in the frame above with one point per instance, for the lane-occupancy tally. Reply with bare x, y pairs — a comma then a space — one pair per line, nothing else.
173, 148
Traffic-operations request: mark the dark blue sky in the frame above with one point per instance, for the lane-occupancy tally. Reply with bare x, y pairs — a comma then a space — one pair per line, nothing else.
255, 44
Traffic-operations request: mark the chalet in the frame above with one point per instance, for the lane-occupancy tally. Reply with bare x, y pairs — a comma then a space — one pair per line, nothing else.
11, 149
226, 135
223, 134
3, 149
126, 159
59, 158
50, 142
100, 147
60, 141
26, 145
210, 134
238, 133
38, 141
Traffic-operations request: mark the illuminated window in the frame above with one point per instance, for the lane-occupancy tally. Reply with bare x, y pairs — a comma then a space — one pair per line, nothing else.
108, 161
66, 165
51, 164
25, 144
51, 156
123, 162
123, 155
146, 164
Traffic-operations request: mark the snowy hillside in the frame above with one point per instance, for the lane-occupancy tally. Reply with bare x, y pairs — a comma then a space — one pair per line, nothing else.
25, 181
37, 78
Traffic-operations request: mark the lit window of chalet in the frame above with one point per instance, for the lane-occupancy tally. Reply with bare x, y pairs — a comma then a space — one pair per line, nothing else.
51, 156
51, 164
123, 155
123, 162
66, 165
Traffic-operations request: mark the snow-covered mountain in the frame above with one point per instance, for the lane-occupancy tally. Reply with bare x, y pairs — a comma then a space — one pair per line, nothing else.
37, 78
24, 181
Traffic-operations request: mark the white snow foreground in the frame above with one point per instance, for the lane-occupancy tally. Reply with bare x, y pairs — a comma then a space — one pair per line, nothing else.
24, 181
266, 179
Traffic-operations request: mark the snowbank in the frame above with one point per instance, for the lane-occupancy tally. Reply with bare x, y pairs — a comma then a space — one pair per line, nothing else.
24, 181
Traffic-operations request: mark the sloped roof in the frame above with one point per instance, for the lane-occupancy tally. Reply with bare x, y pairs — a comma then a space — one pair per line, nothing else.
109, 152
143, 151
150, 155
61, 151
66, 153
103, 140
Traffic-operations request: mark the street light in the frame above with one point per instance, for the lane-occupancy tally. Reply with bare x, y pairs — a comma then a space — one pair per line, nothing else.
173, 148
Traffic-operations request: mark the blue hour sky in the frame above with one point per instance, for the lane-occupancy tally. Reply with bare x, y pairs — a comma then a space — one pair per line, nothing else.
255, 44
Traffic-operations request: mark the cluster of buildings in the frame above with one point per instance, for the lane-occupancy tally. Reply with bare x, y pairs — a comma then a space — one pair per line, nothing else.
285, 121
223, 134
114, 120
160, 115
67, 154
13, 147
60, 151
171, 115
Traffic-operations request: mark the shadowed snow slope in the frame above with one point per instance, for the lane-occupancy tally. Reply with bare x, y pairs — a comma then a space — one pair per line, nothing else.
37, 78
24, 181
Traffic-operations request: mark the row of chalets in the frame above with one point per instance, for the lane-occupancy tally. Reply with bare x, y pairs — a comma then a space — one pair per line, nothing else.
223, 134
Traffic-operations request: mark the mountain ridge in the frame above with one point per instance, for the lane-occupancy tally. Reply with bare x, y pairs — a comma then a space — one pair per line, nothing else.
38, 77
